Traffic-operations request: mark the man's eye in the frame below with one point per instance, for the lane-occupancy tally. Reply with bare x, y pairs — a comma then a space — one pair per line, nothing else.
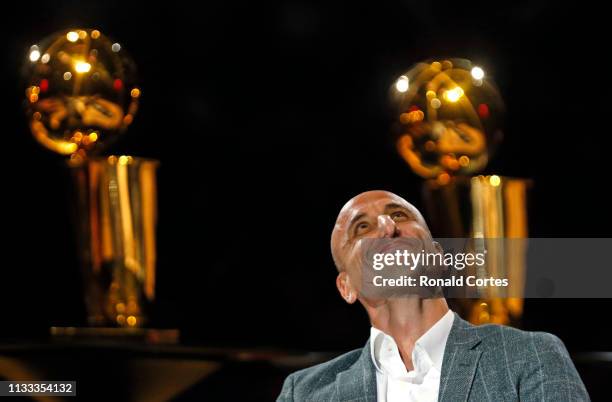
398, 215
362, 228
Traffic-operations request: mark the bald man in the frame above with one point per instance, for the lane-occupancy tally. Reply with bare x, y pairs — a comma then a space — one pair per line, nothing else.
418, 349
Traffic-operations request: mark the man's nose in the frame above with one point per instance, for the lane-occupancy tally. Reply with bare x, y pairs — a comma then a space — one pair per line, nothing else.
386, 227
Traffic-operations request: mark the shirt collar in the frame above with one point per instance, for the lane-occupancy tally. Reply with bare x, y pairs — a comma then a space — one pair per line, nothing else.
433, 341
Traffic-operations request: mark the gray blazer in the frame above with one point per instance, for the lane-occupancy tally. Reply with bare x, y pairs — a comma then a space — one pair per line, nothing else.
481, 363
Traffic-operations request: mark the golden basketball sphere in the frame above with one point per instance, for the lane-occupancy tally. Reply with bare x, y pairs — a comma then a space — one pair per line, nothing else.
81, 92
448, 118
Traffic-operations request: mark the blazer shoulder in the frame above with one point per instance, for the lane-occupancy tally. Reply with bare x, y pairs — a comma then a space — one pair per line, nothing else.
537, 364
306, 381
493, 334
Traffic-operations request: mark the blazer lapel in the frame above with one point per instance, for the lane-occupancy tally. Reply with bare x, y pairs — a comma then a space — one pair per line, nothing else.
460, 361
358, 382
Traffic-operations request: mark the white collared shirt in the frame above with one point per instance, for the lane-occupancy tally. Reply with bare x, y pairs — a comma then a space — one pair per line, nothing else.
393, 381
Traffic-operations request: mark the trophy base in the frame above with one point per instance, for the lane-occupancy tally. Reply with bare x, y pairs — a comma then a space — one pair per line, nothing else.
109, 334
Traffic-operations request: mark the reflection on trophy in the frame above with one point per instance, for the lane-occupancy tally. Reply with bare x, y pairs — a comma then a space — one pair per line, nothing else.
81, 95
448, 122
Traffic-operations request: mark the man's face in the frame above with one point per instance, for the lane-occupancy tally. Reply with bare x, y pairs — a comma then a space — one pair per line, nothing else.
374, 214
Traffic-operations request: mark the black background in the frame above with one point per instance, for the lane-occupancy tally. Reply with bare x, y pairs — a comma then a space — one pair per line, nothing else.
268, 117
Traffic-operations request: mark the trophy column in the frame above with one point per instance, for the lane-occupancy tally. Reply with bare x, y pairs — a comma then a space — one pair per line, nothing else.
116, 207
491, 210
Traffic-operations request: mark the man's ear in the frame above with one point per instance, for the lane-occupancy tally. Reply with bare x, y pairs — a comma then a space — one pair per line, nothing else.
437, 247
343, 283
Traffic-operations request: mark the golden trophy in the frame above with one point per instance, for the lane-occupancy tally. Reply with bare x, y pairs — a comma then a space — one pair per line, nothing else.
448, 119
81, 95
